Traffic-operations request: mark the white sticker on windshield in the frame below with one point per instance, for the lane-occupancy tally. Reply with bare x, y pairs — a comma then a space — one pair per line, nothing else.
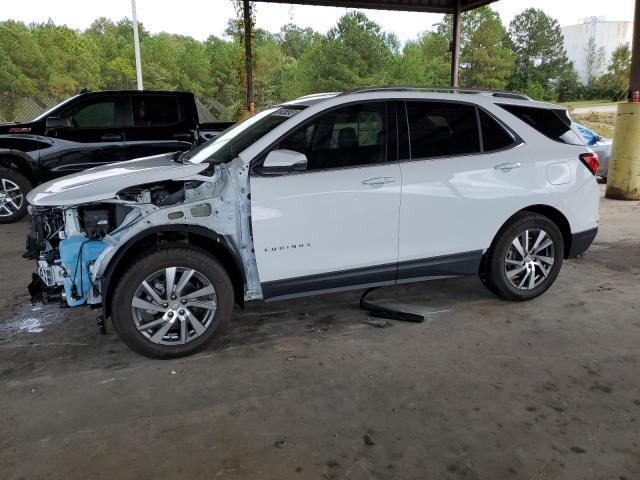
286, 112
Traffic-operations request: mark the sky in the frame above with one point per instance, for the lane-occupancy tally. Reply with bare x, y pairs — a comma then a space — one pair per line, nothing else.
201, 18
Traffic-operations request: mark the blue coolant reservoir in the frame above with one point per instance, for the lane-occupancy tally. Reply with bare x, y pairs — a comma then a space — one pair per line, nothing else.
76, 254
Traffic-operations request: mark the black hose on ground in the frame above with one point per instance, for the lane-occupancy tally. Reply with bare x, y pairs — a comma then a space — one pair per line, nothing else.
388, 313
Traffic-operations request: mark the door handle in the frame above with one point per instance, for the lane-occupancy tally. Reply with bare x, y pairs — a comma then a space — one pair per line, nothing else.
378, 181
508, 166
111, 137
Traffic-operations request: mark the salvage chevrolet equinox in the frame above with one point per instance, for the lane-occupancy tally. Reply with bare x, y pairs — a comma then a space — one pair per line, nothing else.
379, 186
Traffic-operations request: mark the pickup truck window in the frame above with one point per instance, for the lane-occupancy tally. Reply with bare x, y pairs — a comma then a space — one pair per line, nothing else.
100, 114
226, 146
155, 110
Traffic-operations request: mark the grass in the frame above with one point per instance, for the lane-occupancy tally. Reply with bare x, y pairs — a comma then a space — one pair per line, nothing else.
587, 103
601, 123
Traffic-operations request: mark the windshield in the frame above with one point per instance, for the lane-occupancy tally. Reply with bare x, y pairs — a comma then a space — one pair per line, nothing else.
48, 112
226, 146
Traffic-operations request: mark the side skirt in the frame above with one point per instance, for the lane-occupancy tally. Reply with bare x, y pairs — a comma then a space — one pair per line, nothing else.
435, 268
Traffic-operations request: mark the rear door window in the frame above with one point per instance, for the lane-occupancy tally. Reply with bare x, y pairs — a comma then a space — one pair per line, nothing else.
442, 129
551, 122
155, 110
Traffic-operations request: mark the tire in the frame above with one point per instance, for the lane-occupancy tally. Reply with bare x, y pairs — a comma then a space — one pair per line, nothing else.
181, 336
508, 273
13, 195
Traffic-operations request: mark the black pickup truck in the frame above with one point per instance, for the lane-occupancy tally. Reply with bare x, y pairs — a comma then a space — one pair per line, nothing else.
91, 129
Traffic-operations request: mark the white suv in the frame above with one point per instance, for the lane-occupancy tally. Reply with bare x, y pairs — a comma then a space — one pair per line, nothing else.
329, 192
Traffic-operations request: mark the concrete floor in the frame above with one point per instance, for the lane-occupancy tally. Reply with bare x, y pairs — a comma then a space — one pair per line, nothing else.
485, 389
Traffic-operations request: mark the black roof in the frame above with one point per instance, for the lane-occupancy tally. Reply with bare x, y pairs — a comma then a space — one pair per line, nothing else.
137, 92
433, 6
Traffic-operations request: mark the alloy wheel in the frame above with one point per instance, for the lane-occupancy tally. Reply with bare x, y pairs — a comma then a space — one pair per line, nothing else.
174, 306
11, 198
529, 259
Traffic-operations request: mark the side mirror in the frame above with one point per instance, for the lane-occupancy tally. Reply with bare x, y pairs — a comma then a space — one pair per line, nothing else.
284, 161
54, 123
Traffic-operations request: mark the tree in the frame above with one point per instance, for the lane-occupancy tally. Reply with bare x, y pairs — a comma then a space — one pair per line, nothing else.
615, 83
537, 43
425, 61
568, 86
295, 40
594, 61
486, 60
22, 66
354, 53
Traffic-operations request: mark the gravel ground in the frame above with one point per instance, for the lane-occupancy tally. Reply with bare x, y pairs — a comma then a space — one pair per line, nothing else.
485, 389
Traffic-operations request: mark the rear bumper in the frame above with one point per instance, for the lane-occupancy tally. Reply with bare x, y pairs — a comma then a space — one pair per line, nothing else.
581, 241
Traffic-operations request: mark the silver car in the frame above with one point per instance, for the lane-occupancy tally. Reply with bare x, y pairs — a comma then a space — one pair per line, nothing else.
600, 145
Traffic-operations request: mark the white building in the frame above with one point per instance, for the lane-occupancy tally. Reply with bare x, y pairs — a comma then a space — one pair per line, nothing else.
606, 35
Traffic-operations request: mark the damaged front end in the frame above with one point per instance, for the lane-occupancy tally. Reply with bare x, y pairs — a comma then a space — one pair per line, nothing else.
75, 242
66, 242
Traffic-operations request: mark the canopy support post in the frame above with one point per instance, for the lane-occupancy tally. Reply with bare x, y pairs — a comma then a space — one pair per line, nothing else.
455, 45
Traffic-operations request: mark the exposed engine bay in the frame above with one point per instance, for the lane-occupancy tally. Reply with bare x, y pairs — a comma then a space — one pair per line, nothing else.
74, 245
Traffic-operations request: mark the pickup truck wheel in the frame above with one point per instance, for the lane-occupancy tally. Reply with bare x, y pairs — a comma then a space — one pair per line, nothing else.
172, 302
13, 195
525, 258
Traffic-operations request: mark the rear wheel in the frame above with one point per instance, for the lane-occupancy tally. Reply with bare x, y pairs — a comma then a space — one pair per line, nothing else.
172, 302
525, 258
13, 195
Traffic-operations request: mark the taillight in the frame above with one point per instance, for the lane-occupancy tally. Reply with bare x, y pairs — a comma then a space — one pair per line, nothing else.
591, 161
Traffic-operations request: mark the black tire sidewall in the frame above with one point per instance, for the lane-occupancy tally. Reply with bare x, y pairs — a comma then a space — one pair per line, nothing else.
496, 275
25, 187
187, 257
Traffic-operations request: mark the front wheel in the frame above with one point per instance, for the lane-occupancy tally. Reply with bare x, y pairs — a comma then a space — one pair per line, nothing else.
525, 258
172, 302
13, 195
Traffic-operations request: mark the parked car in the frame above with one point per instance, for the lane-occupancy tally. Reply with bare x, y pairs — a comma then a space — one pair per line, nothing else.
92, 129
326, 193
601, 146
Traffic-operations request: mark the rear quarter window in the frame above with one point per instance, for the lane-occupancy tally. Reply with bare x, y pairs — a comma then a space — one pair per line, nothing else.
551, 122
156, 110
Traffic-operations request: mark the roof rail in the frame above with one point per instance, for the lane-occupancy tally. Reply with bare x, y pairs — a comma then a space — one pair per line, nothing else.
320, 94
418, 88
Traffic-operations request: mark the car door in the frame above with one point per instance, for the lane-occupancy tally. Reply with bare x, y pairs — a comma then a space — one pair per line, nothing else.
457, 187
336, 224
95, 136
157, 123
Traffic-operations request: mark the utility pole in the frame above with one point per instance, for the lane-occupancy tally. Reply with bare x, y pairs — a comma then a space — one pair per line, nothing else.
454, 47
136, 45
623, 179
248, 53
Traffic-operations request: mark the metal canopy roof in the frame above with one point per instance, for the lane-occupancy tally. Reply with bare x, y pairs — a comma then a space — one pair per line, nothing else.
433, 6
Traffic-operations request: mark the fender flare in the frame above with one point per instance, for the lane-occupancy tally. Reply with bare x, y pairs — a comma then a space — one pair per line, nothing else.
113, 267
25, 164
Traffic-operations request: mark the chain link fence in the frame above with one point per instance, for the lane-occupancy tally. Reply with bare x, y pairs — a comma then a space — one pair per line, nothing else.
26, 109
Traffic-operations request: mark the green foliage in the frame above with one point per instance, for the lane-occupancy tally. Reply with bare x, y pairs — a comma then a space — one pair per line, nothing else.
568, 86
615, 83
354, 53
536, 41
425, 61
486, 59
535, 90
48, 61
